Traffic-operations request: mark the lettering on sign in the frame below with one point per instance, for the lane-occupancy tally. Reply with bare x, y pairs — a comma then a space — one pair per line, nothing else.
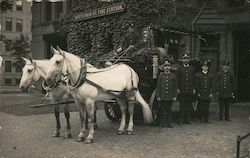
117, 8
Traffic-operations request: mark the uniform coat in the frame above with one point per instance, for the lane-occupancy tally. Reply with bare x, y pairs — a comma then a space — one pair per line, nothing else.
186, 77
166, 86
225, 84
203, 85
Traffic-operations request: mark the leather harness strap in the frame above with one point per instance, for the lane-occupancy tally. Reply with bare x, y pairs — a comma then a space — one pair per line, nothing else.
82, 79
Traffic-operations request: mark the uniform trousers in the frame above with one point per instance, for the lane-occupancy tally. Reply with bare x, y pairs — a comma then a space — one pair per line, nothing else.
166, 112
224, 104
186, 101
203, 109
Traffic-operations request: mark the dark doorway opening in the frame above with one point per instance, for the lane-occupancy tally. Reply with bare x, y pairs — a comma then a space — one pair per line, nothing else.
54, 40
242, 54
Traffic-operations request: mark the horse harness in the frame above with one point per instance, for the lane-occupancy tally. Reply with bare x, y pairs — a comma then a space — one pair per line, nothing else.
82, 79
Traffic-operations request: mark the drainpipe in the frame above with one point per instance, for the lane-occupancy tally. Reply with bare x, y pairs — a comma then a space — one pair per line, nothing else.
193, 28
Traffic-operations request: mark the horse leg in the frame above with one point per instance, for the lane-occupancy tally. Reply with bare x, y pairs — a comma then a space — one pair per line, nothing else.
95, 111
131, 117
123, 108
67, 116
131, 103
82, 112
58, 125
90, 106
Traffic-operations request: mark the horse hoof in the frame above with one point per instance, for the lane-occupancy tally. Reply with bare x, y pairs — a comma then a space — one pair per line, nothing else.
80, 139
89, 141
130, 133
56, 134
120, 132
67, 135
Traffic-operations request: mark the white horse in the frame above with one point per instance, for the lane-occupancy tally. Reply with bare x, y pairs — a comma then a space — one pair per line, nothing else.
1, 63
37, 69
118, 81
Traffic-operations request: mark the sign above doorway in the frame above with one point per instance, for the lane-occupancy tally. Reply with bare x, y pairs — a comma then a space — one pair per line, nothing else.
112, 9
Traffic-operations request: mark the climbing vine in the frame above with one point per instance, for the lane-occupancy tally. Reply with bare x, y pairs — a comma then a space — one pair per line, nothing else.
94, 37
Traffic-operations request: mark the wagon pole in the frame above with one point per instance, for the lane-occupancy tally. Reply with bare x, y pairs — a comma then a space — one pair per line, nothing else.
50, 104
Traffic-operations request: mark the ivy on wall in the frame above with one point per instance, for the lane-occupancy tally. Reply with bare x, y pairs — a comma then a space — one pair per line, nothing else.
94, 37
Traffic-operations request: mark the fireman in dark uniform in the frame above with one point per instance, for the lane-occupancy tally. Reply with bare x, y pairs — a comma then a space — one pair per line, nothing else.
186, 89
225, 88
166, 93
131, 39
203, 84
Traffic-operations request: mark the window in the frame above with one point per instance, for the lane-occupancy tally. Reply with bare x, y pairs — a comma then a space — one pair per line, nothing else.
7, 81
19, 25
7, 66
8, 44
19, 5
8, 24
17, 81
59, 9
18, 66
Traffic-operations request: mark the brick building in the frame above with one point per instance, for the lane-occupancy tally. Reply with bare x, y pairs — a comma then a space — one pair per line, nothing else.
223, 23
13, 23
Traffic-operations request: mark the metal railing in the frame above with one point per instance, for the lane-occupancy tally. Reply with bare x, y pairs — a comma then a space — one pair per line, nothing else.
239, 139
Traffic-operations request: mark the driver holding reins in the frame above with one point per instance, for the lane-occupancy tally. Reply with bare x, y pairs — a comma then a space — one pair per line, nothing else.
131, 39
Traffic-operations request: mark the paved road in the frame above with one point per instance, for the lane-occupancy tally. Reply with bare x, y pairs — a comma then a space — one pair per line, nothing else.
23, 136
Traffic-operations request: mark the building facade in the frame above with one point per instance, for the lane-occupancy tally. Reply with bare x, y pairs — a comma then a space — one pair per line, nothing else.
223, 24
13, 22
44, 34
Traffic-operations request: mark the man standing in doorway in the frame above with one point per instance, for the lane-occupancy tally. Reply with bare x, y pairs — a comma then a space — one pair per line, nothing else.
225, 90
166, 93
186, 89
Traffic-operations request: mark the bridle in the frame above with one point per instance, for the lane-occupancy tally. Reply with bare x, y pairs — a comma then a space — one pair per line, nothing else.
82, 74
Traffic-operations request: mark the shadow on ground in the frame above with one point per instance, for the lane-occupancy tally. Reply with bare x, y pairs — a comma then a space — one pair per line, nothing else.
19, 104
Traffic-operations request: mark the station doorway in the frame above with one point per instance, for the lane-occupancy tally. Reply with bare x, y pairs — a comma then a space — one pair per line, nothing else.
242, 64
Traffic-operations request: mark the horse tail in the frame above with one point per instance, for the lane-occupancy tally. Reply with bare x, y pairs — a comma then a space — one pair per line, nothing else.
147, 114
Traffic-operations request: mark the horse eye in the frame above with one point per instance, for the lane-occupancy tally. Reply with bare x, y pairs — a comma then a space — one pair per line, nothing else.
29, 70
58, 62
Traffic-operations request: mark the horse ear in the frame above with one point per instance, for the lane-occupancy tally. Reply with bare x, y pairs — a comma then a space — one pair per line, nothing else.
59, 49
31, 60
53, 50
26, 60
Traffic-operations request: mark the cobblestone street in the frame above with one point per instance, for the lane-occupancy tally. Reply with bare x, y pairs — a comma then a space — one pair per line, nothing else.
31, 136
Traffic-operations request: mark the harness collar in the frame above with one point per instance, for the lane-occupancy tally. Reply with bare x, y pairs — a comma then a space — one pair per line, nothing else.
81, 78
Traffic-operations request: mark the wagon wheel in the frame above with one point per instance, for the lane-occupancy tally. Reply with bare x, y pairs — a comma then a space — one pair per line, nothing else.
154, 106
112, 110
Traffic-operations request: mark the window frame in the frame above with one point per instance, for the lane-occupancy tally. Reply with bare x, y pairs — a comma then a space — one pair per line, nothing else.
17, 24
11, 24
6, 68
19, 6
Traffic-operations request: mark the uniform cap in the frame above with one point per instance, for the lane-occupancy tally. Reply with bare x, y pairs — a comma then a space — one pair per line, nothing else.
205, 63
185, 57
167, 63
226, 63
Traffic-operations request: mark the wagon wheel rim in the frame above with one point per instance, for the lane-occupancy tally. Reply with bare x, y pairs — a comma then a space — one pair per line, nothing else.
112, 111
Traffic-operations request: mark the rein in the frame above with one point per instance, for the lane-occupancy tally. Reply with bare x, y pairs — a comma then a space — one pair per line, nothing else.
82, 79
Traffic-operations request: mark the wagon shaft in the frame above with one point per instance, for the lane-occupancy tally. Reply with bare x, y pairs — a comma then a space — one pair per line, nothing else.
50, 104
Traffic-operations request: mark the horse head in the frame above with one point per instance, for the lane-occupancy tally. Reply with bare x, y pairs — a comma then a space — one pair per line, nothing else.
29, 74
57, 66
